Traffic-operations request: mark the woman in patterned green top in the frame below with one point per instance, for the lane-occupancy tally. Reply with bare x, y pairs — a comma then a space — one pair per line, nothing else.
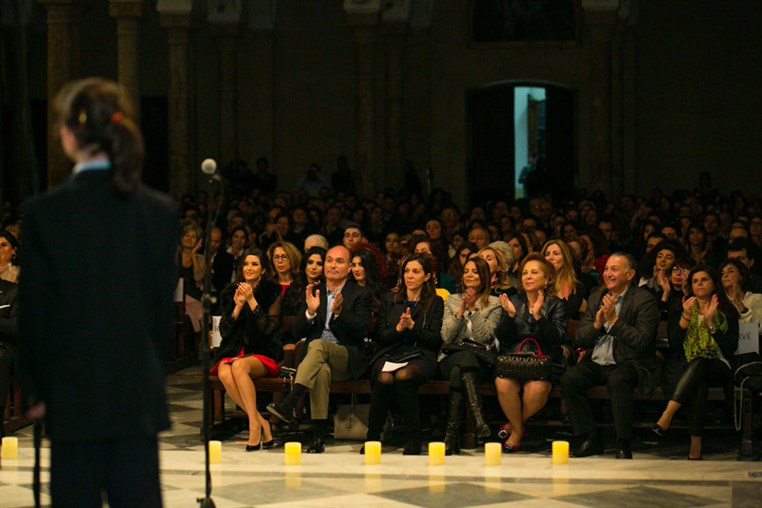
703, 336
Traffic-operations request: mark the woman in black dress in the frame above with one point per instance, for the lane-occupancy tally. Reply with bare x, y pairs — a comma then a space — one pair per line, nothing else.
409, 323
250, 345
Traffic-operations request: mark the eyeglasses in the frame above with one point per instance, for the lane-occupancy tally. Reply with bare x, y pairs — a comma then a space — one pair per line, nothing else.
280, 257
679, 269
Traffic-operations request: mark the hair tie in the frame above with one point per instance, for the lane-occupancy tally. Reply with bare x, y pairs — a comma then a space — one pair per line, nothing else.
117, 117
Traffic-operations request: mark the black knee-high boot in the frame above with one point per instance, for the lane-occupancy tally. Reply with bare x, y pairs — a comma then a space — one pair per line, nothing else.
471, 389
380, 401
454, 416
407, 397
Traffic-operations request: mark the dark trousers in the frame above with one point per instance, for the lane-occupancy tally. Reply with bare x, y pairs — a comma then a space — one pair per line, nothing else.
690, 383
620, 380
6, 368
125, 470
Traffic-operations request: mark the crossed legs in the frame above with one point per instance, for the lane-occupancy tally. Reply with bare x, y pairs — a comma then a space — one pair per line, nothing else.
238, 379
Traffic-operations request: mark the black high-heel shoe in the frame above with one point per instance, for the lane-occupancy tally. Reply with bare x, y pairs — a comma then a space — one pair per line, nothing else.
658, 430
254, 448
266, 445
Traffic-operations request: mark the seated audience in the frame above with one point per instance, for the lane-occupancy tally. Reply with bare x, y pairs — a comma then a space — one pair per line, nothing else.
619, 328
498, 269
285, 259
191, 270
250, 345
408, 332
364, 272
9, 247
703, 337
335, 319
8, 341
470, 317
568, 287
532, 313
734, 276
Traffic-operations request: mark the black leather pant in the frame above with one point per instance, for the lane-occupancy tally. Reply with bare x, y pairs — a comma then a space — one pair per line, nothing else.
690, 384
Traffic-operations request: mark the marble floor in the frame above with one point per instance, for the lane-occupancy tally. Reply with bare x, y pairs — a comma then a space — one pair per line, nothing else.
658, 476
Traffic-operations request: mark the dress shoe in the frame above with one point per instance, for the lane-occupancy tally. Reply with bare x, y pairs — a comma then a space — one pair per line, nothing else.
592, 445
624, 453
511, 448
266, 445
658, 430
254, 448
282, 411
504, 431
412, 447
316, 446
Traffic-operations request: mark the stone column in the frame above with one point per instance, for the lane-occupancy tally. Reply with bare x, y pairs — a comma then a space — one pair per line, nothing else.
396, 35
600, 18
364, 26
63, 18
177, 24
127, 14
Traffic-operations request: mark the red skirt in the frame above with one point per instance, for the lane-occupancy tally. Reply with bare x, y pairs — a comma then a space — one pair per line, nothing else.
270, 364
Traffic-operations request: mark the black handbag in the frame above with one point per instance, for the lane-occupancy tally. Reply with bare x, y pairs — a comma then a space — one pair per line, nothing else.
525, 365
483, 351
403, 356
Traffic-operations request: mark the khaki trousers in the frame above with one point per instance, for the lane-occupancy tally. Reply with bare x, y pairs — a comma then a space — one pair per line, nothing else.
325, 361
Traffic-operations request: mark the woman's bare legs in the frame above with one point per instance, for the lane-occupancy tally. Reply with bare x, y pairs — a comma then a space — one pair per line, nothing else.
225, 373
245, 370
508, 395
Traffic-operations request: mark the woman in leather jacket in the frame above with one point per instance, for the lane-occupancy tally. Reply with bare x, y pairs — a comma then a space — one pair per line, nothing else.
533, 313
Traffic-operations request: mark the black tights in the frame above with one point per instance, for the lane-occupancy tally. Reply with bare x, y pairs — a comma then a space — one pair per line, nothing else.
406, 373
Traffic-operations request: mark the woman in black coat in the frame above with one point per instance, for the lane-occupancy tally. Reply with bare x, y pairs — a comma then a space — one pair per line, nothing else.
532, 313
250, 345
409, 323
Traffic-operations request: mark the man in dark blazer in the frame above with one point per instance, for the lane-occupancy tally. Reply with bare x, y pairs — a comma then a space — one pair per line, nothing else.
8, 340
222, 265
619, 330
95, 307
335, 319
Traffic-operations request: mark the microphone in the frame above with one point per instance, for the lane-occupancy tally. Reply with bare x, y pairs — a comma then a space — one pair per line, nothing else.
209, 167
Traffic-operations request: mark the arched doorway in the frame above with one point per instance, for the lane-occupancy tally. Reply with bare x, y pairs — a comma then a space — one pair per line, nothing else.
508, 123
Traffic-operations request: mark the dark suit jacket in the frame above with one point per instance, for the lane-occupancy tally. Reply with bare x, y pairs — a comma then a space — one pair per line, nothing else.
634, 332
8, 315
222, 270
425, 335
95, 308
350, 328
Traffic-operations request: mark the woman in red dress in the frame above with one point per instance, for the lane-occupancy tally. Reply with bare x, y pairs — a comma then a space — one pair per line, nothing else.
251, 345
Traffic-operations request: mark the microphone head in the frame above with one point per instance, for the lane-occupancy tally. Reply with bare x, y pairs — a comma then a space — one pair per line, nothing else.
209, 166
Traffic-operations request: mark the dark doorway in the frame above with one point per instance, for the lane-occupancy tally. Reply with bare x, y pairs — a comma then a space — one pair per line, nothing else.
515, 127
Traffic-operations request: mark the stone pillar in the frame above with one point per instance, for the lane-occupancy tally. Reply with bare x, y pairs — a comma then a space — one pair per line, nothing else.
364, 24
177, 23
127, 14
396, 35
600, 18
63, 18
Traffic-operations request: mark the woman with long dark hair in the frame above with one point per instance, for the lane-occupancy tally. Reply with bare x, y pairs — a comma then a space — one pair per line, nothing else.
409, 323
703, 336
250, 345
365, 273
470, 318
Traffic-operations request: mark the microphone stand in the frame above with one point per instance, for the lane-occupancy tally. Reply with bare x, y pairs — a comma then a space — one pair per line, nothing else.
205, 347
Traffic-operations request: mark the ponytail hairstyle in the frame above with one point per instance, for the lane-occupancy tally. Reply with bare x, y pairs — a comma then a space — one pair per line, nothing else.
99, 114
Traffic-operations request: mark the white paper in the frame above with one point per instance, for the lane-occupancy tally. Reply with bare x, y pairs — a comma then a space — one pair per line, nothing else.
748, 338
392, 366
216, 337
